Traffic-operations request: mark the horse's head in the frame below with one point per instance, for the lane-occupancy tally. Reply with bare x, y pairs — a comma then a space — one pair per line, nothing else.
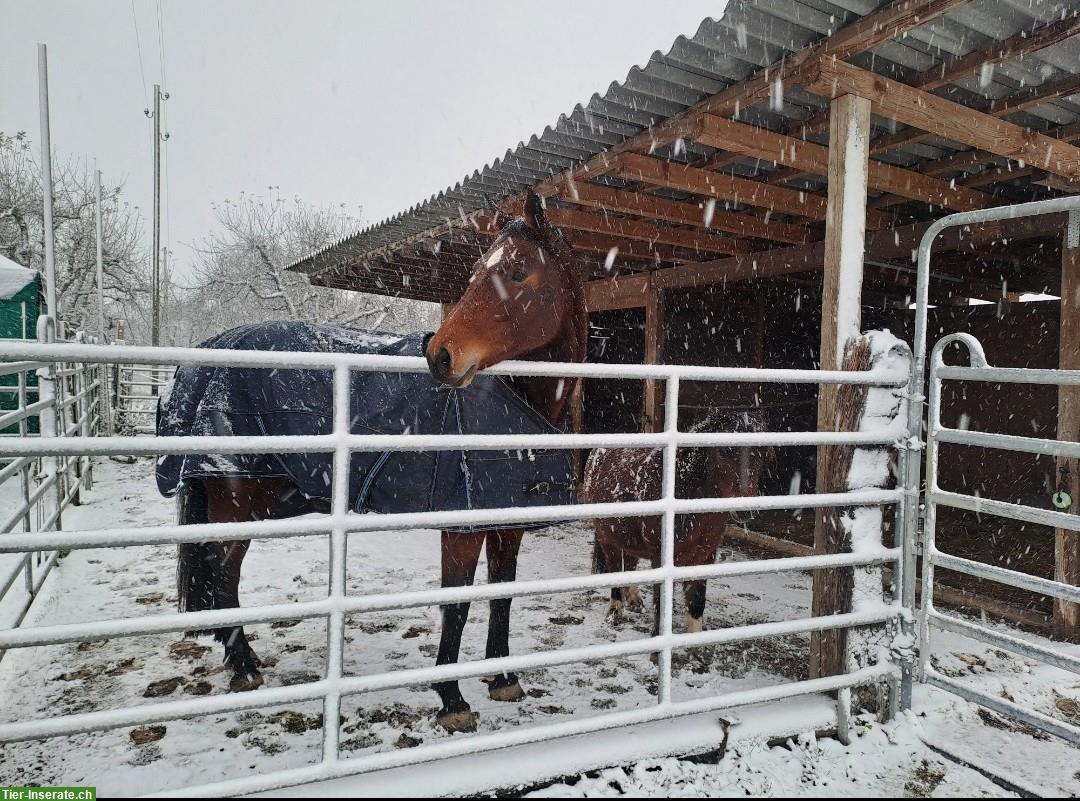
524, 294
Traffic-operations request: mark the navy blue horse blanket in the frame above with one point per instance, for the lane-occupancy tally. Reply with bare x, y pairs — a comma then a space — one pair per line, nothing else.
224, 401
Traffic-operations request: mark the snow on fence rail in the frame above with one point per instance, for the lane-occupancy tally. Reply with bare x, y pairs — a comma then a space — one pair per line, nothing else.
52, 399
341, 521
978, 370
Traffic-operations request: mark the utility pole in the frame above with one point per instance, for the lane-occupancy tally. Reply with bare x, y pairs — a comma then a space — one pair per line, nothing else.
155, 301
47, 186
100, 267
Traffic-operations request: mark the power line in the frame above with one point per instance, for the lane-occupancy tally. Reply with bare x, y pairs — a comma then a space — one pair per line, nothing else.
161, 43
138, 46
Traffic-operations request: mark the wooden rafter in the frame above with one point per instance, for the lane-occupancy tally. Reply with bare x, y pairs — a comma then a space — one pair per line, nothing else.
727, 187
1024, 99
657, 208
891, 244
812, 158
649, 232
973, 63
943, 118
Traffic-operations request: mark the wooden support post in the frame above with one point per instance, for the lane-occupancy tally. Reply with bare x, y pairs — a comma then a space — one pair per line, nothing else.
654, 354
845, 230
577, 426
1066, 542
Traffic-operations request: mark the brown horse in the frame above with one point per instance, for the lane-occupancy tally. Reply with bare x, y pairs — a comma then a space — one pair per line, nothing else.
635, 474
524, 301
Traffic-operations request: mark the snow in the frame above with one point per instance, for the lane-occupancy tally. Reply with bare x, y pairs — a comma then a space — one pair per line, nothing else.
133, 582
13, 277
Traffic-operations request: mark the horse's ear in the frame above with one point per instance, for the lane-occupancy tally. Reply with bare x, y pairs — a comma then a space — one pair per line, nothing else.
534, 212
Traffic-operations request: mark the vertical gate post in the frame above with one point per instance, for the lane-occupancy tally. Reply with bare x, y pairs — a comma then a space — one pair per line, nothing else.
1066, 542
845, 229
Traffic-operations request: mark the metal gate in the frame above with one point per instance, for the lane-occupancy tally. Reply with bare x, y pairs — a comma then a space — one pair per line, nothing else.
980, 372
341, 523
922, 542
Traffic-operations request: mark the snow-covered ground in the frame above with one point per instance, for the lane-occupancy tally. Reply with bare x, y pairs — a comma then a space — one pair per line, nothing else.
890, 759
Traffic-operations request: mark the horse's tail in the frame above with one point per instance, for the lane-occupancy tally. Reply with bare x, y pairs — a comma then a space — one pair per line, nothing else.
196, 576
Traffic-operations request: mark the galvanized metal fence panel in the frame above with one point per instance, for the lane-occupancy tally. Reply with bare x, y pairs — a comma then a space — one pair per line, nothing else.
980, 371
341, 522
70, 404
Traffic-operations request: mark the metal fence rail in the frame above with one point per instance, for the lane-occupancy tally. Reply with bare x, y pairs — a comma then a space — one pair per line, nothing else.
53, 400
929, 617
340, 522
135, 392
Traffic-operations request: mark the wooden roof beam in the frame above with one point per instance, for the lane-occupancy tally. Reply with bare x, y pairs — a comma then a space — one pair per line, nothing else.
726, 187
812, 158
650, 232
941, 117
1024, 99
684, 213
1015, 47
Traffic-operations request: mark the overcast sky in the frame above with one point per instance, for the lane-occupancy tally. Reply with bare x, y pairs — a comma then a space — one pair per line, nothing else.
375, 105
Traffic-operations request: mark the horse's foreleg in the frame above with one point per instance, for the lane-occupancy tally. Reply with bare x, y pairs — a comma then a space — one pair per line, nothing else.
460, 553
502, 554
694, 596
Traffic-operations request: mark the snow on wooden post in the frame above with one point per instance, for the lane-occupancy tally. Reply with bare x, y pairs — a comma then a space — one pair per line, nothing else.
845, 230
1066, 542
881, 410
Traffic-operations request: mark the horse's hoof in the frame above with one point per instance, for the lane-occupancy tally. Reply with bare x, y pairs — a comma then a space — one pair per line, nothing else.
464, 721
614, 613
506, 692
242, 683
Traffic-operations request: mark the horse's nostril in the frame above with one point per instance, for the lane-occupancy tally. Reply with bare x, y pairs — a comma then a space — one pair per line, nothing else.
442, 361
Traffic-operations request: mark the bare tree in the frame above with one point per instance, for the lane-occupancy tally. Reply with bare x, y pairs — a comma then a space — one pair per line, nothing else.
22, 236
241, 276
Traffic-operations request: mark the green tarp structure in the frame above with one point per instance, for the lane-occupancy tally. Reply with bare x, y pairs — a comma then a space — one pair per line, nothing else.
20, 304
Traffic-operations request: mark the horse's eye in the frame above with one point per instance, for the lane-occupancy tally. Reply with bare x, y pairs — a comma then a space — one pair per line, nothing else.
518, 274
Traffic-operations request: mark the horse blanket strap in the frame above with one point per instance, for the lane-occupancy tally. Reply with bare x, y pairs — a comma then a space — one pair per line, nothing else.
225, 401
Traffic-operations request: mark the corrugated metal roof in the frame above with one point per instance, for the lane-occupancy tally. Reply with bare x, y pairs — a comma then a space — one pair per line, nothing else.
752, 34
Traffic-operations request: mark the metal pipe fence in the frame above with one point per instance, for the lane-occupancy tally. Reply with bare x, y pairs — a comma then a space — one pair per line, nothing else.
135, 393
340, 523
46, 400
930, 618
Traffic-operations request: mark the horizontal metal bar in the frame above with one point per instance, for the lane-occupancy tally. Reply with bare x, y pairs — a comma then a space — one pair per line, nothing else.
10, 367
1029, 716
381, 602
1014, 511
14, 467
1013, 578
351, 685
1006, 642
30, 410
1010, 375
265, 529
1008, 442
417, 364
326, 443
483, 743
